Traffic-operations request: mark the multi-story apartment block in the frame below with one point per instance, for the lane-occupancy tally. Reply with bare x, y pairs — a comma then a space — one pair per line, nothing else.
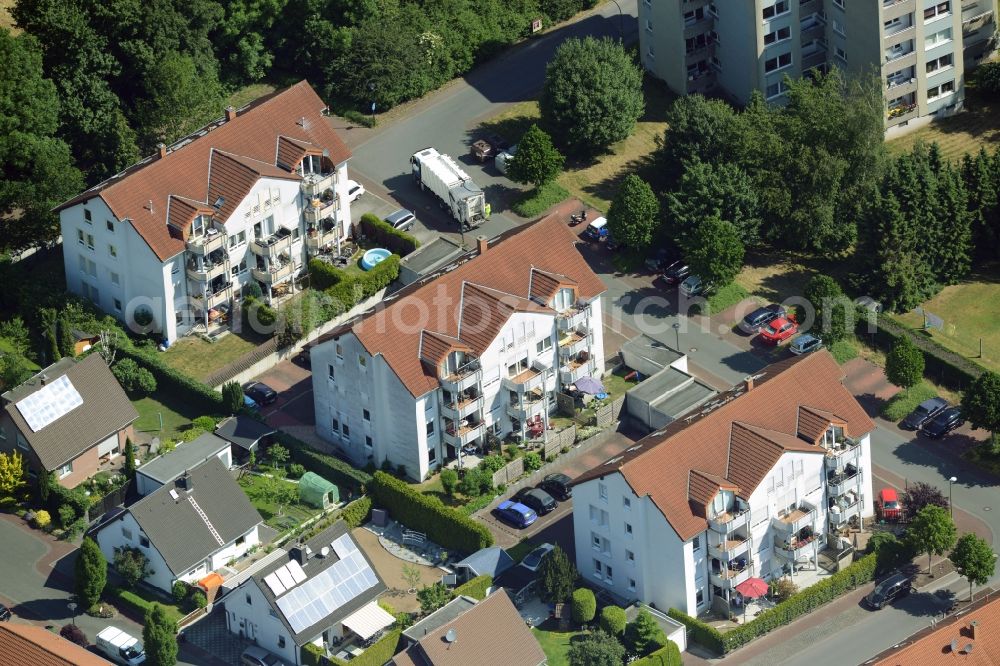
920, 48
171, 241
478, 348
762, 479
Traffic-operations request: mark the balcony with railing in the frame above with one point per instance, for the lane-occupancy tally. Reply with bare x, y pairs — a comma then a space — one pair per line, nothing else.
728, 548
462, 432
813, 23
840, 483
315, 184
323, 235
576, 368
730, 521
524, 407
321, 208
209, 267
275, 274
212, 240
572, 318
213, 295
841, 514
459, 405
900, 51
899, 29
468, 375
272, 246
729, 576
891, 3
525, 380
796, 546
572, 344
793, 521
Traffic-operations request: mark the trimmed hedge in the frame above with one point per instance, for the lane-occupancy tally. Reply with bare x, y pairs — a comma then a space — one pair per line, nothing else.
703, 634
331, 468
322, 275
343, 290
356, 513
396, 241
860, 572
378, 654
443, 525
172, 381
475, 588
670, 655
313, 655
138, 605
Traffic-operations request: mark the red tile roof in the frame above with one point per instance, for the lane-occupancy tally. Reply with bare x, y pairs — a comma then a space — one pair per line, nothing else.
140, 192
470, 299
813, 422
544, 285
740, 440
28, 645
932, 646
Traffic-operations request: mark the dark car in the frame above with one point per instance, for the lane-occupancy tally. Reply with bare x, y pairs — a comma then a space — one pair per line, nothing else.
558, 486
537, 499
753, 322
943, 423
402, 220
515, 513
676, 272
261, 393
662, 258
895, 586
924, 412
4, 613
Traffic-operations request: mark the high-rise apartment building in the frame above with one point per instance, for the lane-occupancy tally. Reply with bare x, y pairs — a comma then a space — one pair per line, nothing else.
920, 48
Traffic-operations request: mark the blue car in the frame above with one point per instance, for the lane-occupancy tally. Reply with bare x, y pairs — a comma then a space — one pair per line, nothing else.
515, 513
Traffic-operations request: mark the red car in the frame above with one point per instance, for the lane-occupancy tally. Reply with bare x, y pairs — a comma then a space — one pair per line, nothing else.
887, 505
778, 330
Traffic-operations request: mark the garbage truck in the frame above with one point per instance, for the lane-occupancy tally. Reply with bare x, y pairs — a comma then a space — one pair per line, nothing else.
455, 190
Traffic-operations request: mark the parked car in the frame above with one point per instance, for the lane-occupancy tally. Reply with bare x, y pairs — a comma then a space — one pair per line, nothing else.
261, 393
946, 421
895, 586
778, 330
924, 412
662, 258
558, 486
250, 404
676, 272
5, 613
354, 190
533, 560
538, 500
805, 343
515, 513
887, 505
503, 158
694, 286
255, 656
597, 230
402, 220
753, 322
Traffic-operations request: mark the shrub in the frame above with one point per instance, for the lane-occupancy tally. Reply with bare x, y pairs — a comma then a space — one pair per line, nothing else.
904, 364
206, 423
198, 599
170, 380
532, 461
442, 525
356, 513
135, 380
449, 479
583, 605
669, 655
313, 655
42, 519
906, 401
322, 275
295, 471
783, 589
132, 565
66, 515
703, 634
375, 655
432, 597
987, 77
644, 634
613, 620
232, 398
384, 235
345, 290
74, 634
475, 588
359, 118
476, 482
327, 466
180, 591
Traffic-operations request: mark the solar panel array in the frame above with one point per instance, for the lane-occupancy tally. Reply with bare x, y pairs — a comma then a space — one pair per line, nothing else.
49, 403
327, 591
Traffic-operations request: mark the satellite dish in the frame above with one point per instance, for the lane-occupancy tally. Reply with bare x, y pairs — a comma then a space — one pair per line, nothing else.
954, 645
452, 636
968, 648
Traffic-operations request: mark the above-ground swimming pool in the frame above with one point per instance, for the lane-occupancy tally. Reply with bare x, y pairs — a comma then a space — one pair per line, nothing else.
374, 257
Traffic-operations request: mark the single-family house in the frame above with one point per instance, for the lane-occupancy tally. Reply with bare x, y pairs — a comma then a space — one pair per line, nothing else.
186, 455
71, 419
187, 528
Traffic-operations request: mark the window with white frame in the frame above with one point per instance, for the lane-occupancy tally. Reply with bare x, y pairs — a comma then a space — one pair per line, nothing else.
628, 530
699, 597
839, 3
696, 543
65, 470
366, 415
840, 53
945, 88
937, 38
21, 442
607, 574
626, 503
602, 491
649, 26
117, 304
237, 239
110, 225
630, 557
81, 238
778, 62
87, 217
779, 35
563, 299
340, 352
362, 362
938, 64
598, 516
113, 251
777, 9
90, 241
631, 584
543, 345
598, 568
838, 27
127, 533
651, 52
331, 372
940, 10
115, 278
3, 434
776, 89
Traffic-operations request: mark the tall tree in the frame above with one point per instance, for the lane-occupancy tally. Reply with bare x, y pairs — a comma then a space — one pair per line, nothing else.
186, 97
232, 397
556, 576
91, 573
707, 130
904, 364
721, 190
644, 634
974, 559
592, 96
949, 247
922, 494
159, 637
132, 564
634, 213
38, 171
714, 251
536, 161
981, 405
931, 531
64, 336
981, 174
596, 649
830, 307
129, 467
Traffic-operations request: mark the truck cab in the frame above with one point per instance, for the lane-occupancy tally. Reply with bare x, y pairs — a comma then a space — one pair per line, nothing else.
120, 647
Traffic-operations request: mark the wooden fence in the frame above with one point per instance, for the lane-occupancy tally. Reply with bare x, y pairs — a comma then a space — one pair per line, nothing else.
509, 472
608, 413
557, 441
102, 505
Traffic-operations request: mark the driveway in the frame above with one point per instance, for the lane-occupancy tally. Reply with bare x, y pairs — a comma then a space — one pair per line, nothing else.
294, 407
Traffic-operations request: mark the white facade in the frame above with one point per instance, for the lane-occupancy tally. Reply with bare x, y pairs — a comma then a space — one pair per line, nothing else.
110, 263
124, 532
250, 615
147, 484
627, 535
362, 405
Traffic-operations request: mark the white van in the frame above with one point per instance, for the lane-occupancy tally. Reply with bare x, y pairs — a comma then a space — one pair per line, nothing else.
120, 647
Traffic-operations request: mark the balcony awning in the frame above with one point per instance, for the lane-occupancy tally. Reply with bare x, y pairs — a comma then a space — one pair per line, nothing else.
368, 620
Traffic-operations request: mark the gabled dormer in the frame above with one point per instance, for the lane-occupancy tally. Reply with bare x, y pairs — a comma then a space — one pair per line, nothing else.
710, 495
553, 290
820, 427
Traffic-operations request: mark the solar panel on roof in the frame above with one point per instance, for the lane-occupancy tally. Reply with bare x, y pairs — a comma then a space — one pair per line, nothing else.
294, 568
272, 582
343, 546
49, 403
285, 578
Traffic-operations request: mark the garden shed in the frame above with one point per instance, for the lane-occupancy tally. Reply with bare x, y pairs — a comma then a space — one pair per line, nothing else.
316, 491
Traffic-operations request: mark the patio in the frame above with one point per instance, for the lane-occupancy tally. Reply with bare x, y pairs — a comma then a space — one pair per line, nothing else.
390, 563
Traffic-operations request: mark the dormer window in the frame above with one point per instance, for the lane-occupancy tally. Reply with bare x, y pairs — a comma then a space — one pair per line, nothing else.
311, 165
833, 436
453, 363
199, 226
564, 299
723, 502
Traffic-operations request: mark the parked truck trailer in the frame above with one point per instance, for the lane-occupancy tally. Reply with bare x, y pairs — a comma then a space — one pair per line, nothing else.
457, 192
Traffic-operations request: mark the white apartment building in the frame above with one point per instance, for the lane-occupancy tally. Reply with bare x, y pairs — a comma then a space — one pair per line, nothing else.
756, 484
477, 349
171, 242
919, 47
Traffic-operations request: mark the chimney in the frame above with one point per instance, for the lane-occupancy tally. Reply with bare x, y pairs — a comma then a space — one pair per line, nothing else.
162, 148
749, 382
185, 481
230, 113
482, 244
43, 379
298, 553
972, 627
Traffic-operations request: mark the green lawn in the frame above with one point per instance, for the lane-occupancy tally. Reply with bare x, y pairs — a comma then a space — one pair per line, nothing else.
177, 414
536, 201
555, 644
198, 358
977, 126
970, 313
291, 514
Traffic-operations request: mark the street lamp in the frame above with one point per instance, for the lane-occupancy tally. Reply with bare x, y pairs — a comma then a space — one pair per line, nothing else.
951, 507
72, 609
371, 88
621, 22
677, 335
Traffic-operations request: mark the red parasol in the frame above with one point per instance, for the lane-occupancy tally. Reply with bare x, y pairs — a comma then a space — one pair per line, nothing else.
752, 588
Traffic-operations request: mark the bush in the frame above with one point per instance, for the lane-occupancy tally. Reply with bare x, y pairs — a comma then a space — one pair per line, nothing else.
375, 655
356, 513
66, 515
703, 634
442, 525
295, 471
475, 588
198, 599
535, 202
613, 620
532, 462
478, 503
206, 423
449, 480
313, 655
170, 380
384, 235
74, 634
322, 275
906, 401
42, 519
583, 605
359, 118
135, 380
904, 364
180, 591
783, 589
432, 597
348, 289
327, 466
669, 655
644, 634
987, 77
